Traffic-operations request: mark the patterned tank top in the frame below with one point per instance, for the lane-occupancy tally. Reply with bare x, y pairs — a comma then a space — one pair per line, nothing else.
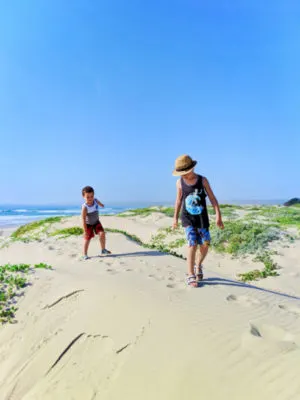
194, 210
92, 216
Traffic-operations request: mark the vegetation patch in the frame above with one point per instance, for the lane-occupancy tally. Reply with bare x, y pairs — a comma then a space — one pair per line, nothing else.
21, 234
240, 238
42, 266
158, 241
13, 278
230, 207
282, 216
169, 211
270, 268
177, 243
66, 232
229, 211
144, 212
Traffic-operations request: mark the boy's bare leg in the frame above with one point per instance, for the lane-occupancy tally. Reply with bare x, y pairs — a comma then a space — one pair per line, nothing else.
191, 259
102, 239
201, 254
86, 244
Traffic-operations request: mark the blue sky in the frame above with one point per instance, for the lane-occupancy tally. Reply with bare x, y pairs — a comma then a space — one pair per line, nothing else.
110, 93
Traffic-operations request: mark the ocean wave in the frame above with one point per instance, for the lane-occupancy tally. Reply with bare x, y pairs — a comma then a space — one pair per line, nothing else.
58, 211
19, 217
12, 220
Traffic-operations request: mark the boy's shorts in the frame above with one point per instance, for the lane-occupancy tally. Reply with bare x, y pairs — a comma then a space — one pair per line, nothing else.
197, 236
91, 230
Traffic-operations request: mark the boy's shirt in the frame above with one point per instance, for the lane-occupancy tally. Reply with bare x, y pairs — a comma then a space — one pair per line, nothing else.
194, 210
92, 216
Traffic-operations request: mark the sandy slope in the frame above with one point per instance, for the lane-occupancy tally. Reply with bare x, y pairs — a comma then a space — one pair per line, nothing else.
126, 327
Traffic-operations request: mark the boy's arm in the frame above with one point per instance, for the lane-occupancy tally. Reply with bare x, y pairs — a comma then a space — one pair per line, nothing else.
214, 202
83, 215
99, 203
178, 204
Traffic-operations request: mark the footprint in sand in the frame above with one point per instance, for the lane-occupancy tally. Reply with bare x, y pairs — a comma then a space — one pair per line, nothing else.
265, 339
243, 300
178, 285
171, 286
157, 278
170, 267
290, 309
72, 255
294, 274
51, 248
112, 271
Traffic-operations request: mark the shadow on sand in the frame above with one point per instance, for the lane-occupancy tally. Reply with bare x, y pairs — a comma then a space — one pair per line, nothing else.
134, 254
229, 282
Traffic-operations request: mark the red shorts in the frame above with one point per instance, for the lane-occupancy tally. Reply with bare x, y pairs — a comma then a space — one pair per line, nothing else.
91, 230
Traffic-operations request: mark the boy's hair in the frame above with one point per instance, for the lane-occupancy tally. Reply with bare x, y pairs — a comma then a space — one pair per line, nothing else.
87, 189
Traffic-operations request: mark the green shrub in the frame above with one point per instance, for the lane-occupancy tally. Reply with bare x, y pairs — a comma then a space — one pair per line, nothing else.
66, 232
25, 229
270, 268
239, 238
42, 266
144, 212
12, 279
281, 215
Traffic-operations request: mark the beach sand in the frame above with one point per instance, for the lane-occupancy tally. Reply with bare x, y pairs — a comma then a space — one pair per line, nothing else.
127, 327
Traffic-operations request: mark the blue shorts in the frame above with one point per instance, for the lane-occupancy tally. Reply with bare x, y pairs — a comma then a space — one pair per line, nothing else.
197, 236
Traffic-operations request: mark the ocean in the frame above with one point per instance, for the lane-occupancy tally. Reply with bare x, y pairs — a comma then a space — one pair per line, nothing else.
19, 215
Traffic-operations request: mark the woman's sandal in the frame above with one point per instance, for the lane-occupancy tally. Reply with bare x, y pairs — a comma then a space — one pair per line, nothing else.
191, 281
199, 272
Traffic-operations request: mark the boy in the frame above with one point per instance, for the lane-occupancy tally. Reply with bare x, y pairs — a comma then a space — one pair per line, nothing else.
90, 221
192, 190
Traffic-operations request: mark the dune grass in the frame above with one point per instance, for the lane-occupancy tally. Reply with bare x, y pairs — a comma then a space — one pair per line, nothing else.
42, 266
13, 278
144, 212
241, 238
24, 232
227, 210
283, 216
270, 268
66, 232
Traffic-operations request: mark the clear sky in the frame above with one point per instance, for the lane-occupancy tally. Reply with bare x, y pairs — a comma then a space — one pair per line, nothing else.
109, 93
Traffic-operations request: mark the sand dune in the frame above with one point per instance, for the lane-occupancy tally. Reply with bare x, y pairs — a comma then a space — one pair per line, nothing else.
127, 327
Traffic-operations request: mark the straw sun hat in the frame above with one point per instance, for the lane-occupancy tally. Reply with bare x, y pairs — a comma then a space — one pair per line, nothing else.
183, 165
